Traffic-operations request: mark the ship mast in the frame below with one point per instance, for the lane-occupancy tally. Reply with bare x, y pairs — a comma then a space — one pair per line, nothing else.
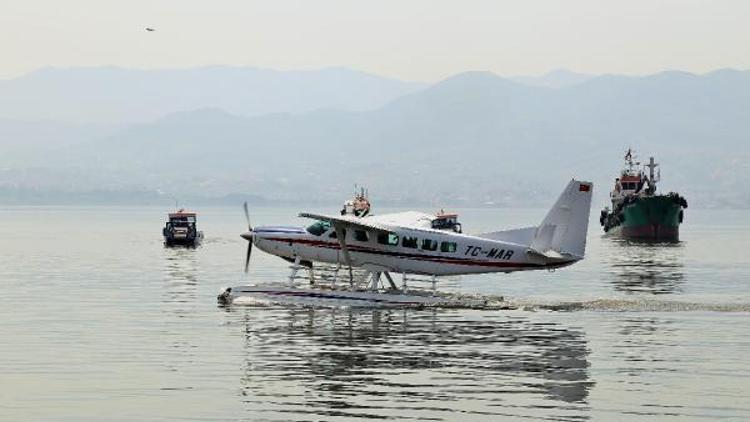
651, 166
629, 156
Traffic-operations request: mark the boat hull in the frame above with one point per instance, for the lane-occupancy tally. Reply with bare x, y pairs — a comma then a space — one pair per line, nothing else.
655, 218
190, 241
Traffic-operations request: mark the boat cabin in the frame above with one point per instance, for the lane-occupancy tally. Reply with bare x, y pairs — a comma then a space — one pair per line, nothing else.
181, 218
634, 180
444, 221
630, 184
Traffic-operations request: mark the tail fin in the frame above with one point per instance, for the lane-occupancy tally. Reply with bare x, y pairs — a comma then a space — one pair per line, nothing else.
564, 228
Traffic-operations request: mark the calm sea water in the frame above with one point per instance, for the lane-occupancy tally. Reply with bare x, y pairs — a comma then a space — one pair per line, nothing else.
98, 321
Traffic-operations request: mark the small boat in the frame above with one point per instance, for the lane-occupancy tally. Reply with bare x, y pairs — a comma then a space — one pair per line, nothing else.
181, 229
446, 221
638, 212
359, 206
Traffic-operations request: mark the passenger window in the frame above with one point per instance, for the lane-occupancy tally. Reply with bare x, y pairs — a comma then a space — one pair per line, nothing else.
448, 247
390, 239
409, 242
429, 245
361, 236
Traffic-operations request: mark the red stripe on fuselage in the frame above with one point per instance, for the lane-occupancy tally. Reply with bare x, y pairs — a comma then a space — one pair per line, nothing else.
431, 258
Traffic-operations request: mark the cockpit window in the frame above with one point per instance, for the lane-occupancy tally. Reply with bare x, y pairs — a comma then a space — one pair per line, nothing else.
318, 228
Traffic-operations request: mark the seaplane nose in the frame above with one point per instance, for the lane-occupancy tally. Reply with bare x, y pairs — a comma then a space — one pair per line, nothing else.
248, 235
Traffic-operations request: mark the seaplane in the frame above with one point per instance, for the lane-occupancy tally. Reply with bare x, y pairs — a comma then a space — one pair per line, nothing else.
412, 243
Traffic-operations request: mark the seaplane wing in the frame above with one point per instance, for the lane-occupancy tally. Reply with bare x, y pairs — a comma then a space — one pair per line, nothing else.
382, 223
345, 221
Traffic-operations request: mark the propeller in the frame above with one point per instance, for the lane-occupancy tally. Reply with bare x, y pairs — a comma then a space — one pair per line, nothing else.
248, 236
249, 251
247, 217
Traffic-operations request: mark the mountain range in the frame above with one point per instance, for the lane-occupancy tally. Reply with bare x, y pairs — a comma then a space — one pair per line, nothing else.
472, 139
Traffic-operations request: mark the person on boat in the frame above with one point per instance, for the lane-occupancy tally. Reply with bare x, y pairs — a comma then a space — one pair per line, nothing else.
361, 206
618, 185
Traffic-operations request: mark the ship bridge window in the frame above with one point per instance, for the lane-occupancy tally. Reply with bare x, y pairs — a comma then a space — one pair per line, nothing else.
361, 236
389, 238
429, 245
318, 228
447, 246
409, 242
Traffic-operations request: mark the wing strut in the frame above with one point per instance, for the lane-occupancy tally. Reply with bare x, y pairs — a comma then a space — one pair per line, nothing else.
340, 235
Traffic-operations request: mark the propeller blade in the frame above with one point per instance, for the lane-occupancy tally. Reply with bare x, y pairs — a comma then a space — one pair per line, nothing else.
247, 258
247, 217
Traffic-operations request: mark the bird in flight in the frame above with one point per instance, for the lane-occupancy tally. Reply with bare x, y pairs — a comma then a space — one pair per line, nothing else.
150, 29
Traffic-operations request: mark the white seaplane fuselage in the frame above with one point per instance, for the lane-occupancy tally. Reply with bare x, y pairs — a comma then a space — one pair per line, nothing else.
406, 243
436, 252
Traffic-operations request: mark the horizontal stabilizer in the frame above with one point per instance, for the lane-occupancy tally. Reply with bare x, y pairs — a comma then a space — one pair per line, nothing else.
518, 236
550, 255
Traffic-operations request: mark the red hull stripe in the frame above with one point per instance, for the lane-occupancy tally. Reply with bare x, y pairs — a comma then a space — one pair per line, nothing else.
429, 258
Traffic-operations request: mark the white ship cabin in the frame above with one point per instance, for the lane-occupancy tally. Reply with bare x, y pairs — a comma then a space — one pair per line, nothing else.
629, 184
633, 181
358, 207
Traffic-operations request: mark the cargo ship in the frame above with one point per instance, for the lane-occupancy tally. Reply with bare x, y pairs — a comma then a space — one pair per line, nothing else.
637, 211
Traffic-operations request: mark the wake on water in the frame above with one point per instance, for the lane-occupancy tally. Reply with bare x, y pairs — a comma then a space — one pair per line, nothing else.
632, 305
499, 303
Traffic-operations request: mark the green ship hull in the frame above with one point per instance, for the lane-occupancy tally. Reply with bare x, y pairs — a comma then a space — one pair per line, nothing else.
655, 218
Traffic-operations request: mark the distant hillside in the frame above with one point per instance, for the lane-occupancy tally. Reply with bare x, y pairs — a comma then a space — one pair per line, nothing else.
115, 95
471, 139
559, 78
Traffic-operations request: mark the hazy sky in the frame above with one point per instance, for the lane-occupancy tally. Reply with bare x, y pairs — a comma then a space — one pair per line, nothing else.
410, 39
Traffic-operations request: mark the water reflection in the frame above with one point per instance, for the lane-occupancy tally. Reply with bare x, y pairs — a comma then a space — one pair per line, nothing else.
650, 337
636, 267
435, 365
180, 274
179, 308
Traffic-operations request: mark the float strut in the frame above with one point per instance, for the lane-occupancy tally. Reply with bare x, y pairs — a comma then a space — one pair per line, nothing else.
295, 268
335, 275
390, 280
